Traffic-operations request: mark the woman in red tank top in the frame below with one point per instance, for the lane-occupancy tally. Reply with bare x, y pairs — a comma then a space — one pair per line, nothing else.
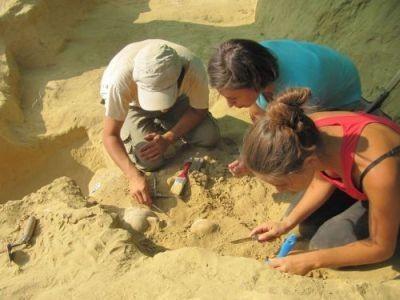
328, 154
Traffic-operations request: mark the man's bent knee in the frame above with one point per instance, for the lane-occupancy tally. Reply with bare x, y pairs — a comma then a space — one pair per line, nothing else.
210, 139
207, 134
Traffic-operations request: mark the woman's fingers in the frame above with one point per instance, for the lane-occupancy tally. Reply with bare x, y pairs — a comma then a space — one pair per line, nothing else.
268, 231
267, 236
278, 264
265, 233
233, 164
259, 229
275, 263
255, 231
237, 168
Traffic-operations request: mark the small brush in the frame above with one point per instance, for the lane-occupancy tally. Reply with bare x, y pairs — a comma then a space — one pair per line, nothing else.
181, 180
286, 247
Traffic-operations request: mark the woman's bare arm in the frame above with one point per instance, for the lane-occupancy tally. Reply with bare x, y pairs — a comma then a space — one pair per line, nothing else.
316, 194
382, 186
112, 142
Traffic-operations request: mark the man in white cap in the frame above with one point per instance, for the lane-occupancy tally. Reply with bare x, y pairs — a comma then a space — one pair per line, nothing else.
155, 92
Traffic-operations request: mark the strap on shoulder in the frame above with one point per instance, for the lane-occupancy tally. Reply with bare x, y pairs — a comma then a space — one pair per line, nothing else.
390, 153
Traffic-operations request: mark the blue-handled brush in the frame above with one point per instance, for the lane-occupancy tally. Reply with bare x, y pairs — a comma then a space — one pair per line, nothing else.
286, 247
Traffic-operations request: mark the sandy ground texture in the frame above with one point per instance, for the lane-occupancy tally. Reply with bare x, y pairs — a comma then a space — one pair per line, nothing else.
53, 165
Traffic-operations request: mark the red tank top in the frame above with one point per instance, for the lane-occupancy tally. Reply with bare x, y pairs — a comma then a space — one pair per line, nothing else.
352, 127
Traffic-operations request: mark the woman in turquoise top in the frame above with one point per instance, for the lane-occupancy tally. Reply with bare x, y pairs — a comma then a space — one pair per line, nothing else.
249, 74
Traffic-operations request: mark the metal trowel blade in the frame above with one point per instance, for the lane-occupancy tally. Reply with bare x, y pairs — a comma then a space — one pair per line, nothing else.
244, 240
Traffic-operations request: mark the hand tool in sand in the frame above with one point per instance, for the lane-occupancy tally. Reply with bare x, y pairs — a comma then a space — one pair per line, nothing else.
246, 239
159, 209
156, 194
196, 163
24, 239
181, 179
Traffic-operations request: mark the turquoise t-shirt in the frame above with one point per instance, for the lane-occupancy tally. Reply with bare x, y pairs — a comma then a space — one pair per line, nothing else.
331, 76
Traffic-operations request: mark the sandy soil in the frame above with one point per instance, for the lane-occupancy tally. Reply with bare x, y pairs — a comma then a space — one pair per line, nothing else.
53, 164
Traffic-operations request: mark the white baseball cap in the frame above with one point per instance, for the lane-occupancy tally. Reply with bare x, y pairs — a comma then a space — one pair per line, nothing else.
156, 71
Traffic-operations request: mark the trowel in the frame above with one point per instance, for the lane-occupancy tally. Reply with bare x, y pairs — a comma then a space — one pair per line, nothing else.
24, 239
246, 239
156, 194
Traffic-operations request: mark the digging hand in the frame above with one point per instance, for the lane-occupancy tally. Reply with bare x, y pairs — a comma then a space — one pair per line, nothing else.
270, 230
299, 264
139, 189
237, 168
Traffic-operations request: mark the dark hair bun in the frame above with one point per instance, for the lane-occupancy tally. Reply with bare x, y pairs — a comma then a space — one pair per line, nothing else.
286, 109
294, 97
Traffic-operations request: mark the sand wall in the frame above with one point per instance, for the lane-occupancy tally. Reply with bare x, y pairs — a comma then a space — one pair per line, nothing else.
52, 64
32, 34
366, 30
36, 31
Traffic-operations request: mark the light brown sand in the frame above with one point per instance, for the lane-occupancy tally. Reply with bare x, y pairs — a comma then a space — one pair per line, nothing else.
50, 126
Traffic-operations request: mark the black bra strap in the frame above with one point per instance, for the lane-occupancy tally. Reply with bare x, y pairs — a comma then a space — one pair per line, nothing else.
390, 153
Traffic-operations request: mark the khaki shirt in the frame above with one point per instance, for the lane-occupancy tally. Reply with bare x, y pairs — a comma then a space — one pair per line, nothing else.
119, 91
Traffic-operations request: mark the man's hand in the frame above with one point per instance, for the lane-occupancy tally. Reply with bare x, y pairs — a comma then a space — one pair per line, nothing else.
270, 230
156, 146
139, 189
237, 168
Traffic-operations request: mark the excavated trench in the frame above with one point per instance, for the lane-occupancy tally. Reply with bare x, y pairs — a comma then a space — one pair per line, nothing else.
51, 121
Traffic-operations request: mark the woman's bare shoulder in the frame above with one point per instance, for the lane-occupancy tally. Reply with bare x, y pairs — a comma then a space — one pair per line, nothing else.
327, 114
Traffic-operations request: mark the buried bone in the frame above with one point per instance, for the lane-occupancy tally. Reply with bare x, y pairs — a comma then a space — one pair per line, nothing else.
138, 218
203, 226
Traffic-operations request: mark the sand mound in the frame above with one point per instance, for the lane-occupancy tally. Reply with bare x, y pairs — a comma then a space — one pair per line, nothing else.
212, 194
52, 55
71, 243
79, 250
